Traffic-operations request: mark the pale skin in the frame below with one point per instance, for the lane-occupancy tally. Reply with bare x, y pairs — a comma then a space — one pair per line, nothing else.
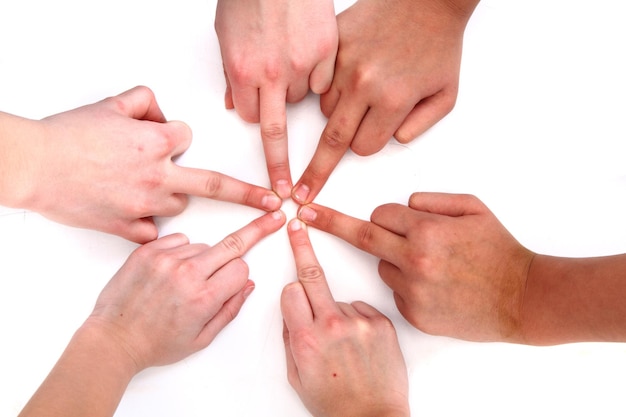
397, 74
343, 359
273, 52
456, 271
169, 300
109, 166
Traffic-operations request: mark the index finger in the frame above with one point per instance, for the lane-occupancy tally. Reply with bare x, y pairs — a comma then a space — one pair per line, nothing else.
334, 142
364, 235
273, 121
217, 186
238, 243
310, 273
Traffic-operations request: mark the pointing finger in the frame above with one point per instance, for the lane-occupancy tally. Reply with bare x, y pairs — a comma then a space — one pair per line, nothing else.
364, 235
274, 136
217, 186
333, 144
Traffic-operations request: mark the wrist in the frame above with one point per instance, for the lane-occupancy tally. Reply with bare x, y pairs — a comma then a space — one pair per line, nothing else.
106, 347
20, 156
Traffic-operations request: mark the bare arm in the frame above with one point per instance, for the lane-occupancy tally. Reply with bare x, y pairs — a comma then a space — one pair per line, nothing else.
169, 300
575, 300
109, 166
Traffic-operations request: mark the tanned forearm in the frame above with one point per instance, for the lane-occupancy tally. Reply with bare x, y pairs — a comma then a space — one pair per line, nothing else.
575, 300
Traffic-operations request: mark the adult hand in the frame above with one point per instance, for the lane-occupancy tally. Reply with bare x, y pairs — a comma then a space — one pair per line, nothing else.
342, 359
454, 269
108, 166
273, 51
171, 298
397, 74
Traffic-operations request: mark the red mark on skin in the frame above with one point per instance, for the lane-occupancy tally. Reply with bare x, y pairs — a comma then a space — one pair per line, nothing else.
334, 375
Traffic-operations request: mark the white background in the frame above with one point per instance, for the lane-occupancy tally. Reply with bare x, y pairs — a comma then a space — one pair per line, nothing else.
538, 134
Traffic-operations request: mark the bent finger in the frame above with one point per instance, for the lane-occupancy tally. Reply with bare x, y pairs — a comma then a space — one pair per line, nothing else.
295, 306
377, 129
139, 103
246, 101
453, 205
230, 309
321, 77
424, 115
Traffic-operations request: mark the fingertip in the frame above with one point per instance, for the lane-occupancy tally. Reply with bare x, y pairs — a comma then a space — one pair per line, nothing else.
300, 193
248, 288
283, 188
295, 225
279, 217
307, 214
271, 201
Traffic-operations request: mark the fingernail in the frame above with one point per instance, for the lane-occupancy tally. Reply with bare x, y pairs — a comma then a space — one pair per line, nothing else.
301, 193
271, 202
282, 188
295, 225
248, 290
307, 214
277, 215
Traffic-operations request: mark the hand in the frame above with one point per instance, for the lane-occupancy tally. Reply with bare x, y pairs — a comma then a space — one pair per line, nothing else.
108, 166
397, 74
273, 51
454, 269
342, 359
171, 298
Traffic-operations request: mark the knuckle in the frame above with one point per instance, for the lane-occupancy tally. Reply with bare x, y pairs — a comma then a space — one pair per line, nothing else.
310, 273
335, 139
213, 185
365, 235
364, 77
234, 244
335, 326
274, 132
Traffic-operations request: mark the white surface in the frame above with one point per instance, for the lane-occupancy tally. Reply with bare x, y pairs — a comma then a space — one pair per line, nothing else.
538, 133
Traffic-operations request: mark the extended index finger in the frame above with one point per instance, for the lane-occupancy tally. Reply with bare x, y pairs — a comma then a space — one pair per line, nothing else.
364, 235
217, 186
273, 116
238, 243
334, 142
310, 273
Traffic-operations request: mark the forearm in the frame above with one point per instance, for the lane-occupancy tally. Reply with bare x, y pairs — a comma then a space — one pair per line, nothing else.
575, 300
88, 380
19, 138
443, 12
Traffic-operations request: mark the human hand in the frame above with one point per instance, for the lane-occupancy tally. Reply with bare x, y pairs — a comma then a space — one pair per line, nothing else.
108, 166
454, 269
273, 51
171, 298
397, 74
342, 359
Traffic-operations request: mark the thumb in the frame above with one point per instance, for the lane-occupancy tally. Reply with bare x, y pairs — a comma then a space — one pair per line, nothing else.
454, 205
139, 103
